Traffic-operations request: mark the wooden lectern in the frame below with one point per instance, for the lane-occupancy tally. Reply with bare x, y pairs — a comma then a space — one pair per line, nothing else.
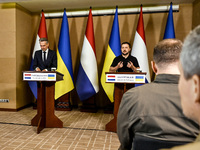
123, 81
45, 116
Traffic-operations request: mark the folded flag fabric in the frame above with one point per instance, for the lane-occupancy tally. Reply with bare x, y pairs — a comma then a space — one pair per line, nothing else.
64, 60
169, 29
139, 49
42, 33
87, 83
113, 50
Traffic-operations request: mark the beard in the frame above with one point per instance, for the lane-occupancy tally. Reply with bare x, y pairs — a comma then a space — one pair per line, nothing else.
125, 53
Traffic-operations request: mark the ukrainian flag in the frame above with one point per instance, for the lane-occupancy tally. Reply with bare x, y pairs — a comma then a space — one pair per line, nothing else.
169, 29
113, 50
64, 61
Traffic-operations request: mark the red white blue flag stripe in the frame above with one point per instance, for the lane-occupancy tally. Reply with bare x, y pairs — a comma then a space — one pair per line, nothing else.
87, 79
139, 49
42, 33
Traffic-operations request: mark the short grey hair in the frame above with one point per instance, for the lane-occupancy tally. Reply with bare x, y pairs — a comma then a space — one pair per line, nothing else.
44, 39
190, 55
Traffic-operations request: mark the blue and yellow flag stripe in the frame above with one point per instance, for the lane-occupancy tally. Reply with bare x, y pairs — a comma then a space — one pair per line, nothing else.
64, 61
113, 50
108, 87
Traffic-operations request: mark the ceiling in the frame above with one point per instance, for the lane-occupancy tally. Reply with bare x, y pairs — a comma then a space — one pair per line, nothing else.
35, 6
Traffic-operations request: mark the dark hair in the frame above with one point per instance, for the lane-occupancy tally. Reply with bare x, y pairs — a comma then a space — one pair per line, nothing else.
126, 43
43, 39
167, 51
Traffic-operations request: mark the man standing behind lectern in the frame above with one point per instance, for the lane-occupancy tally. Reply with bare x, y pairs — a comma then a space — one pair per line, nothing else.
45, 59
125, 62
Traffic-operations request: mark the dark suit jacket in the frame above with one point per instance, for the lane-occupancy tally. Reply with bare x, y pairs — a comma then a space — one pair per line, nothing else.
51, 61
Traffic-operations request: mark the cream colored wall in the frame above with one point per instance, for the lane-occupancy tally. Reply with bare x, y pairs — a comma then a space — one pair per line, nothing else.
16, 36
24, 38
196, 13
19, 30
8, 56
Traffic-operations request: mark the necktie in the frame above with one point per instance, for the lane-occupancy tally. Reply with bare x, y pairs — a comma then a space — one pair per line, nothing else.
44, 57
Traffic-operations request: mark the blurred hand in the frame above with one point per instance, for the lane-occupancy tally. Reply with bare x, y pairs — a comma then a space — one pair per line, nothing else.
37, 69
129, 64
120, 64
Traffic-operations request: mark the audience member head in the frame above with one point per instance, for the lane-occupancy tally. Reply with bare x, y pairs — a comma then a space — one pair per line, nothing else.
166, 56
189, 83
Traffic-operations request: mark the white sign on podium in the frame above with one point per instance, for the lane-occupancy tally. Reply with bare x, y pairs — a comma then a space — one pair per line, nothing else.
35, 76
125, 78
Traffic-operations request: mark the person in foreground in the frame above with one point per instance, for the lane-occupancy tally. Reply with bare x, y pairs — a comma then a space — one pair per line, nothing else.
189, 83
154, 110
45, 59
124, 62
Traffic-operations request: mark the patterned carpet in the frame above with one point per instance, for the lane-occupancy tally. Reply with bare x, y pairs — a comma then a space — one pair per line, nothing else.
81, 131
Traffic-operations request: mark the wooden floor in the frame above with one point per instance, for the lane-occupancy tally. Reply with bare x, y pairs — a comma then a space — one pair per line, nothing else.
82, 131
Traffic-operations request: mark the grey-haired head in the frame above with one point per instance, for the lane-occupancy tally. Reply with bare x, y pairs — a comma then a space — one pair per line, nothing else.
190, 55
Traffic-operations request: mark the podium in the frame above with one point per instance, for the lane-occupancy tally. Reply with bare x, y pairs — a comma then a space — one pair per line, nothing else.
45, 116
123, 81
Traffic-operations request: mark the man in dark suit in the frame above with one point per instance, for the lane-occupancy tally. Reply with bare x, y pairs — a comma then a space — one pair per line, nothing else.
45, 59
